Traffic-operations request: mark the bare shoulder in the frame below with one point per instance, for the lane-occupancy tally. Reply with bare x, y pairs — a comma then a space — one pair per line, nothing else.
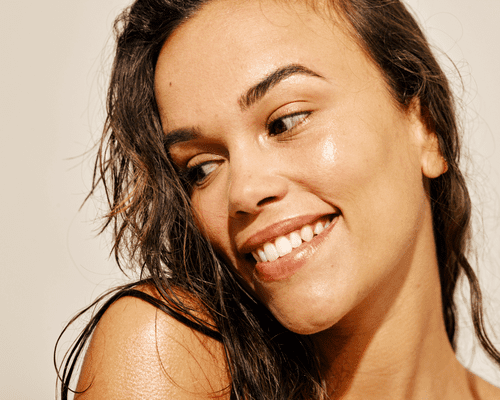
139, 352
484, 390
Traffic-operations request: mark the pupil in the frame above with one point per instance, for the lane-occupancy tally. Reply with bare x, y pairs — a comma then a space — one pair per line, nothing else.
200, 174
279, 127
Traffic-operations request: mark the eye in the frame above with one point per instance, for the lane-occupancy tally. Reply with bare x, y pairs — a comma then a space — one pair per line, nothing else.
284, 124
197, 174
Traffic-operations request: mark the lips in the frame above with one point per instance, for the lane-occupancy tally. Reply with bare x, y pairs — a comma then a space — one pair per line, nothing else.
283, 248
285, 244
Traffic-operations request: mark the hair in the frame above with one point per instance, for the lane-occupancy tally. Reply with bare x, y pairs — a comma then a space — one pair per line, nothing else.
151, 216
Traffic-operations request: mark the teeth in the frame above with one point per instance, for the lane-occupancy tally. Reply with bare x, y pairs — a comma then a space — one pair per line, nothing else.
318, 228
271, 252
284, 245
306, 233
295, 239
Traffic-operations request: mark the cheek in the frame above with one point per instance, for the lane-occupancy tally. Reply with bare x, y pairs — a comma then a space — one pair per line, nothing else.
364, 159
333, 166
371, 173
327, 151
212, 218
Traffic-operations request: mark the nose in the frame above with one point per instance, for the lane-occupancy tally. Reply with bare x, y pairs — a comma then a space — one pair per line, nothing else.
255, 182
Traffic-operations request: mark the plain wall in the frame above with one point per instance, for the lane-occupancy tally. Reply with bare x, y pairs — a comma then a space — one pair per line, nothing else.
55, 58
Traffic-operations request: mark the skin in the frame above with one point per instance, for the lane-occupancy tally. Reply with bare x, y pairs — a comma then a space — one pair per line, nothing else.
356, 153
138, 352
368, 292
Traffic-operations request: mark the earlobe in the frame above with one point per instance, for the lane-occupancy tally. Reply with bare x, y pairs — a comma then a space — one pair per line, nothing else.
436, 167
445, 165
432, 162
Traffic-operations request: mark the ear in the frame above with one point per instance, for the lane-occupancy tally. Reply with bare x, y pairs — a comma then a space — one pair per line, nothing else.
431, 160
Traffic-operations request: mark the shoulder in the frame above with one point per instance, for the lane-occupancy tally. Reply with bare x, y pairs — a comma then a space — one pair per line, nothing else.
482, 389
139, 352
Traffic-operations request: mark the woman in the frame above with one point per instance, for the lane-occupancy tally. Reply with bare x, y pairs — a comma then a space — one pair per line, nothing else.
286, 175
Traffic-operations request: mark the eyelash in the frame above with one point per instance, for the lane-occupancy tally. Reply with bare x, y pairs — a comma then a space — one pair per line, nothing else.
273, 124
191, 175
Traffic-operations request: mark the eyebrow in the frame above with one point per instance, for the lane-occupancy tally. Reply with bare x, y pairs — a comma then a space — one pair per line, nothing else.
252, 95
179, 136
258, 91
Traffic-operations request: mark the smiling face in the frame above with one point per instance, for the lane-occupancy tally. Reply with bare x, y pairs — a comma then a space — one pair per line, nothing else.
298, 154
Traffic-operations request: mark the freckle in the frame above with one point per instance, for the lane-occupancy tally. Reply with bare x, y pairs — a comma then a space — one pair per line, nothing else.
170, 84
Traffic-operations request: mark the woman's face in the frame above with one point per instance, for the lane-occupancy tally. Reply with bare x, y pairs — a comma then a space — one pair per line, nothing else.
298, 154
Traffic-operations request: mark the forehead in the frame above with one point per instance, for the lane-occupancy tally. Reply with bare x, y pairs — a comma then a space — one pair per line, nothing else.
229, 45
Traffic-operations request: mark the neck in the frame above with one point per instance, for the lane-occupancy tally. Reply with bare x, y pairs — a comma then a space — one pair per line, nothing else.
394, 345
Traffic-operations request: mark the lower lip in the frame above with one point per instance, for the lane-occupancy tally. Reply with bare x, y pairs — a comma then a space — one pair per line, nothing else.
286, 266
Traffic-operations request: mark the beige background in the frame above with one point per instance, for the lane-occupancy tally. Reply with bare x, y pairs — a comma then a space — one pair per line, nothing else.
54, 65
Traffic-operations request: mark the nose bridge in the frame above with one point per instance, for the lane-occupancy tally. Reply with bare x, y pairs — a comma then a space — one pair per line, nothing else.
255, 180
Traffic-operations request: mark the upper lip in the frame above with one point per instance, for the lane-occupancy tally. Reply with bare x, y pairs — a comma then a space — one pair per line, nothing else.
276, 230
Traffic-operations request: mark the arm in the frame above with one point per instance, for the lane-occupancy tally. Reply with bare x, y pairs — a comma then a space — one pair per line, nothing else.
139, 352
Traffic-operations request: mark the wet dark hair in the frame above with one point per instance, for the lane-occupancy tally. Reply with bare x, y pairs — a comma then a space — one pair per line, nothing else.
153, 225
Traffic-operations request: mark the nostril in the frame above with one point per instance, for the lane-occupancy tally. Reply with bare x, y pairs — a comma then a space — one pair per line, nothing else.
250, 194
267, 200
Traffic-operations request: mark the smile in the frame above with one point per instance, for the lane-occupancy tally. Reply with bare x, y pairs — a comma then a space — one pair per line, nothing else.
284, 245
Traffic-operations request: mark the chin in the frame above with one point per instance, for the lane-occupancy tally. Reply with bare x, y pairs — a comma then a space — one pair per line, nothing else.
306, 320
308, 326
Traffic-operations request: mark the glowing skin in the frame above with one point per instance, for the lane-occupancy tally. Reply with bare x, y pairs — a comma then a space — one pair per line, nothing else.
355, 153
367, 286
